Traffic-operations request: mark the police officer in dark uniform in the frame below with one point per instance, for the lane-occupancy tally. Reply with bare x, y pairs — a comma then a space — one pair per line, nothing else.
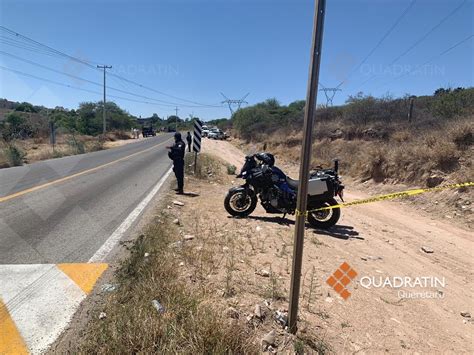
176, 154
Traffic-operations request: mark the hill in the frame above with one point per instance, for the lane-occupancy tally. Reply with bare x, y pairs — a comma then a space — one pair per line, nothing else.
373, 137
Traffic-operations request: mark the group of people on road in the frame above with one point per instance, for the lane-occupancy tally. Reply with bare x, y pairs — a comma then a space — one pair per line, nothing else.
176, 154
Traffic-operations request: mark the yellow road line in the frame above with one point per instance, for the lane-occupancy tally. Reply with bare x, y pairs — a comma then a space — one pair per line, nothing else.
84, 275
39, 187
11, 342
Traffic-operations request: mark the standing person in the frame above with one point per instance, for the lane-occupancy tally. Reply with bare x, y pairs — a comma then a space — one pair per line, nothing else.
176, 154
189, 139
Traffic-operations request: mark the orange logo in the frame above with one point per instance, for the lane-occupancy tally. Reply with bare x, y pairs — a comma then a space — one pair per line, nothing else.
341, 278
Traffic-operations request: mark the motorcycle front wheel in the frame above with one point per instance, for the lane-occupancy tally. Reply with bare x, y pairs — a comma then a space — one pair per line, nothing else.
324, 219
240, 203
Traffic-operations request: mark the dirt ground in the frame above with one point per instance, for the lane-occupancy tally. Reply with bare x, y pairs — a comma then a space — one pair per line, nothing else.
379, 240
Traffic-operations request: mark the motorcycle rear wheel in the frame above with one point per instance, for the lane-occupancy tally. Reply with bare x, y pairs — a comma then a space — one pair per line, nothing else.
326, 218
239, 203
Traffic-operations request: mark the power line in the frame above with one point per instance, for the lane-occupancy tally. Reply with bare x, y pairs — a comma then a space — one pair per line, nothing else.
23, 45
77, 88
428, 33
48, 80
165, 103
379, 43
49, 49
430, 60
417, 42
161, 92
53, 51
20, 46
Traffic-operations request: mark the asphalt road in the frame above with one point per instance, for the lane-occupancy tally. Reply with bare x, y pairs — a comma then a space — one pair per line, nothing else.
63, 210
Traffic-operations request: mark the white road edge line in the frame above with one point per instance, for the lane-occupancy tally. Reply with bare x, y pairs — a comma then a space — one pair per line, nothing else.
115, 237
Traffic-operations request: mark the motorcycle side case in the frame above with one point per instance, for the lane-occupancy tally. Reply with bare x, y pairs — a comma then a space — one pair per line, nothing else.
317, 186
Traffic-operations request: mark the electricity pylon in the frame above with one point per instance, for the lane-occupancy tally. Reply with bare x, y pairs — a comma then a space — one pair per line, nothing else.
329, 93
233, 102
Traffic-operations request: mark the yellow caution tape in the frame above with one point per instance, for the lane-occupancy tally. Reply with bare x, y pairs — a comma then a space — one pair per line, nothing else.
299, 213
392, 196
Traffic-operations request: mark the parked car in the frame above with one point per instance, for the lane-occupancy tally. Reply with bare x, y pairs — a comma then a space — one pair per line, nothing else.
216, 133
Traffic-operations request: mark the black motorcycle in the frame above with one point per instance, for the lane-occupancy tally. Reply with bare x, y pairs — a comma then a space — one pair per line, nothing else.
277, 191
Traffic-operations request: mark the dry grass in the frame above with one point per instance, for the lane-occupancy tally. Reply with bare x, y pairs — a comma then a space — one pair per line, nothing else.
395, 153
207, 166
190, 322
208, 286
117, 135
39, 148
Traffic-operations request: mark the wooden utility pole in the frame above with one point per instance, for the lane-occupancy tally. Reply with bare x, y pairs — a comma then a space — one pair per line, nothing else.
103, 111
176, 120
410, 110
52, 132
301, 204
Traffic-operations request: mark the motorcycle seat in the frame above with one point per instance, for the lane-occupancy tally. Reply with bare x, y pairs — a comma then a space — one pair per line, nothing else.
292, 183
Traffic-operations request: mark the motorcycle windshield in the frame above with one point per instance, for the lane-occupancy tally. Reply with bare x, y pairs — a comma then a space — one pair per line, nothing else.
248, 165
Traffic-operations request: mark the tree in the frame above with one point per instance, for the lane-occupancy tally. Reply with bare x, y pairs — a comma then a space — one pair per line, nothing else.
297, 105
362, 108
446, 103
15, 126
67, 121
156, 120
88, 122
90, 119
173, 119
25, 107
442, 91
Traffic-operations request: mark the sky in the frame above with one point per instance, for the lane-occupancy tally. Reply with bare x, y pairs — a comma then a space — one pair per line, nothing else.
196, 49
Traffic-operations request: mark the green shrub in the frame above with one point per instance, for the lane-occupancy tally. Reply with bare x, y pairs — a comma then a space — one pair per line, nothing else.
361, 111
448, 103
231, 169
14, 155
15, 126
